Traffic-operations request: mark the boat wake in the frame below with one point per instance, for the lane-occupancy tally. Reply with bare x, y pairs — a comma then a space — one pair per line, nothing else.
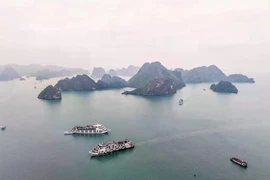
196, 133
169, 138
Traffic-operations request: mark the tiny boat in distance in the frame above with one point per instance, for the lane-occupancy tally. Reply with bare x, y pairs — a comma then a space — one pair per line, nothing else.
239, 162
181, 102
3, 127
88, 129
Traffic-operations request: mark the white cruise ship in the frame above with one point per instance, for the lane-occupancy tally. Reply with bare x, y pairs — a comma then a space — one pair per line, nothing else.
88, 129
110, 147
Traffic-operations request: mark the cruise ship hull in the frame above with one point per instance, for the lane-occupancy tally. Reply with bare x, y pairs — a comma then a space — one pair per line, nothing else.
239, 162
111, 147
88, 130
85, 133
104, 154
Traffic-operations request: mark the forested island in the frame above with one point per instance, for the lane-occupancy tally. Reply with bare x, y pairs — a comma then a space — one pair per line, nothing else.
154, 79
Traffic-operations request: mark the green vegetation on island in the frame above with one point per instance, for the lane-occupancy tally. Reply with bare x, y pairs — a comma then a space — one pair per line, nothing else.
211, 74
50, 93
109, 82
151, 71
240, 78
224, 87
156, 87
78, 83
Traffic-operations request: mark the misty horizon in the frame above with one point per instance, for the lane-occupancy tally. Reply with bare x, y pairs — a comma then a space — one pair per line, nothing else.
233, 35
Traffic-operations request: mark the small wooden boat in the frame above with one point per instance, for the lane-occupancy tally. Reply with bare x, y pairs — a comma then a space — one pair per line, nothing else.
181, 102
239, 162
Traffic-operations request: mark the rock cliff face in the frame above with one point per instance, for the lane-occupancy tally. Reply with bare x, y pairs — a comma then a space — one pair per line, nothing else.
202, 74
8, 73
98, 72
78, 83
240, 78
224, 87
50, 93
178, 75
151, 71
211, 74
156, 87
129, 71
112, 72
107, 82
47, 74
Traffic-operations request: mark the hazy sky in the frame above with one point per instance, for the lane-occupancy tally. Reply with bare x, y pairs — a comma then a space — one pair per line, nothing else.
233, 34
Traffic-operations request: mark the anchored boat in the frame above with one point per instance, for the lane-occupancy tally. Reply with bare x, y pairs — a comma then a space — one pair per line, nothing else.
181, 102
239, 162
88, 129
3, 127
110, 147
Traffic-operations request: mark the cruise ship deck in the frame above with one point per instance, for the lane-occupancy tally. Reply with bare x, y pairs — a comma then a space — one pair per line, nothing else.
88, 129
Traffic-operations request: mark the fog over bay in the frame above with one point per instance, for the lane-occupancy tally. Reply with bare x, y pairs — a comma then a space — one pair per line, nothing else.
232, 34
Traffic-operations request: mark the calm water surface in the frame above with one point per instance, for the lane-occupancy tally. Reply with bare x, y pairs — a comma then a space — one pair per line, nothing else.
172, 141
